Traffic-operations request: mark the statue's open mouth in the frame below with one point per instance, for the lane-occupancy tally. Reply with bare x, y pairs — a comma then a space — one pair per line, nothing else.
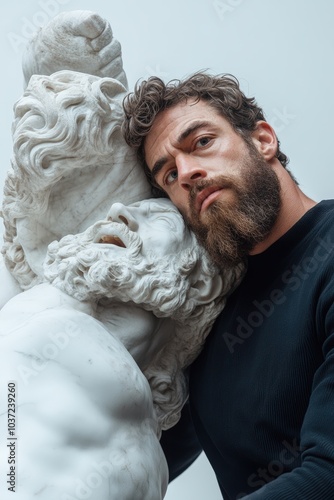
112, 240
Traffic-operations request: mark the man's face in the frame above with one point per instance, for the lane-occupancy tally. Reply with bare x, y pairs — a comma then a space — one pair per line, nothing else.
227, 192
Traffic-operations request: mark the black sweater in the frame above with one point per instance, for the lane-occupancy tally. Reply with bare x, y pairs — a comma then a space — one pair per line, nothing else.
262, 390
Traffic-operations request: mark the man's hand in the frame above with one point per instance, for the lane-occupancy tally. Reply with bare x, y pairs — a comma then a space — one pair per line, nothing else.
78, 40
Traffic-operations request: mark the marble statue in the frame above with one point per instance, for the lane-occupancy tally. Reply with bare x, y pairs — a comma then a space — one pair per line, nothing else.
97, 352
111, 304
82, 179
79, 40
69, 162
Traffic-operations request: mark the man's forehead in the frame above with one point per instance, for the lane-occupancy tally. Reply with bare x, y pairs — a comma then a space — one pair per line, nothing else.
181, 111
172, 125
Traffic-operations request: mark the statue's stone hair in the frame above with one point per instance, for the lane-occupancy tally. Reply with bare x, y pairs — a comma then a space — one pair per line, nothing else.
63, 106
222, 92
58, 106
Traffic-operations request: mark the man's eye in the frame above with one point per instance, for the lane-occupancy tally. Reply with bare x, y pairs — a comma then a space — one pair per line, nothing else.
171, 177
203, 141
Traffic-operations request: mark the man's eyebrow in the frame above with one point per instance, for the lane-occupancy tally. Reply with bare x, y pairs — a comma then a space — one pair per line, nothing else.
192, 128
159, 164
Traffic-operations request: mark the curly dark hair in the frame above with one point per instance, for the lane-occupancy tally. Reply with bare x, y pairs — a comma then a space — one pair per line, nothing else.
222, 92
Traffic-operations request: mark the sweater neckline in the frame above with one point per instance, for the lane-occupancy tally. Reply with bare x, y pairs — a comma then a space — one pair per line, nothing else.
294, 235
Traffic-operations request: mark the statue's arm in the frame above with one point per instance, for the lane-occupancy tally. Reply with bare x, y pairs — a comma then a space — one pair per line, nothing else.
77, 40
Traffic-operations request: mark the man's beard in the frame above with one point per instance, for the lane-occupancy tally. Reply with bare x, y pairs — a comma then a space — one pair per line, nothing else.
229, 229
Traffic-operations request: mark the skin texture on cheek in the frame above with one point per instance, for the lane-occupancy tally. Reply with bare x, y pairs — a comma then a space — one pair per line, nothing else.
198, 143
229, 229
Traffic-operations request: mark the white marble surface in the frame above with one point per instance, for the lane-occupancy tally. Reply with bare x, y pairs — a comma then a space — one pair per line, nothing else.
115, 302
93, 47
69, 163
82, 398
69, 159
117, 305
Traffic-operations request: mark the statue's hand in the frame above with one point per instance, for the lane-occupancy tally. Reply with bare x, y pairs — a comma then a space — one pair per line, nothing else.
78, 40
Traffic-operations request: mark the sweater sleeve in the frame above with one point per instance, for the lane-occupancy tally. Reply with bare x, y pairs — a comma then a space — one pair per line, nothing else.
314, 479
180, 444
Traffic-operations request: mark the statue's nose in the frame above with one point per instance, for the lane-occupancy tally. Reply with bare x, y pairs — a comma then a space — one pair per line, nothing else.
120, 213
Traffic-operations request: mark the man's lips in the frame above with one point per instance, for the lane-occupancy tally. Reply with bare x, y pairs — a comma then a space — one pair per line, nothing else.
206, 197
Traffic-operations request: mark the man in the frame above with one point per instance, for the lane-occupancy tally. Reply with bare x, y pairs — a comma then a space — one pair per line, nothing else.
261, 392
74, 351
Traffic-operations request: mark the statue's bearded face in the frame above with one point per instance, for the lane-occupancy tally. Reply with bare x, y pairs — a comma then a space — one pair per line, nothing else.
138, 253
148, 228
145, 254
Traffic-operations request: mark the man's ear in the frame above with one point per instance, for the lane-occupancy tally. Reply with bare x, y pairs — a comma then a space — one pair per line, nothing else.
265, 140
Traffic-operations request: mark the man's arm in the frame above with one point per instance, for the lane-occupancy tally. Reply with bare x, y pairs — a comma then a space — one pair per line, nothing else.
180, 444
314, 479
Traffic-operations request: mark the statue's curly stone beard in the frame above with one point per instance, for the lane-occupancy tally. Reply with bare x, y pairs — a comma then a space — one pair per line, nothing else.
231, 227
86, 270
89, 271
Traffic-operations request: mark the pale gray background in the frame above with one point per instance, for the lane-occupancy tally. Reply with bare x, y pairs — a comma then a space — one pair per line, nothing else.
281, 51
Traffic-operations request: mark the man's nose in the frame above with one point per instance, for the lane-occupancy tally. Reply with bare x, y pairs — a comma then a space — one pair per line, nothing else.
120, 213
189, 171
